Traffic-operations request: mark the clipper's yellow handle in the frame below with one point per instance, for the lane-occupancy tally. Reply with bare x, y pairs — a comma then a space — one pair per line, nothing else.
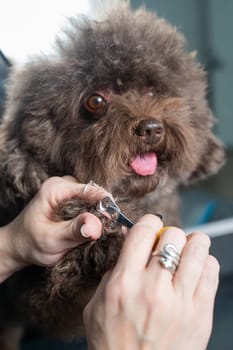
158, 235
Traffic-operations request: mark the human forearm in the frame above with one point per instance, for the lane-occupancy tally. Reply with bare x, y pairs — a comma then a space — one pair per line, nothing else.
9, 261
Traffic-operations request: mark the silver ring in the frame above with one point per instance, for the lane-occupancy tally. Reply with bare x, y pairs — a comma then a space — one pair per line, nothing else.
90, 183
169, 257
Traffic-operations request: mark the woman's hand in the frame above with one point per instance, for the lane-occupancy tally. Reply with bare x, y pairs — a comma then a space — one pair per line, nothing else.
142, 305
35, 237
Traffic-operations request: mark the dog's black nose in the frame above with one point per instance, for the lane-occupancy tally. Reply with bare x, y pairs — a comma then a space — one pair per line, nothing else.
149, 128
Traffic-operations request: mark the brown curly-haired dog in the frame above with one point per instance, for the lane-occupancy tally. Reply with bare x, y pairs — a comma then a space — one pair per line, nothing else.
122, 104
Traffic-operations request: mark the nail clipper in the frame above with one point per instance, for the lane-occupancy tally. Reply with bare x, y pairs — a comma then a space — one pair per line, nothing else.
108, 208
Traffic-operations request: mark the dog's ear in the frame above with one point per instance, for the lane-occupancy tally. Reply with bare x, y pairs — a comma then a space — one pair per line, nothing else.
211, 160
20, 134
36, 105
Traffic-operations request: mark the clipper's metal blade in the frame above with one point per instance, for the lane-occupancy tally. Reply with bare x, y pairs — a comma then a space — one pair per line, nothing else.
110, 209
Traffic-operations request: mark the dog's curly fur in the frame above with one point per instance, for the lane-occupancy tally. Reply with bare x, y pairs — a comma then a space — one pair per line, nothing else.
119, 89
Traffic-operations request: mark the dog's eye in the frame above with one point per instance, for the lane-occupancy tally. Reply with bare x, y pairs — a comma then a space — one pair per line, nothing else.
95, 103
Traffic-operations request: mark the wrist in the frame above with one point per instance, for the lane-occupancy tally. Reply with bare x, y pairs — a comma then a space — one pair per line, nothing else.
10, 259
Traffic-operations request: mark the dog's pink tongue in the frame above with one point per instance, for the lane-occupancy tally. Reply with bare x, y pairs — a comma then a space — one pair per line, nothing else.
144, 165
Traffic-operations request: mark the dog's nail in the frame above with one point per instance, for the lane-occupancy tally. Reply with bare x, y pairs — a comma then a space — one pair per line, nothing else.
160, 216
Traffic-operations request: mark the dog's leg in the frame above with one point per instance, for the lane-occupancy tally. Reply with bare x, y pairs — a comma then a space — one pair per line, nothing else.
10, 338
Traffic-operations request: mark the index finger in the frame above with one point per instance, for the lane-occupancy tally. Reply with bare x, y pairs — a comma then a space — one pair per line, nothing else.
56, 190
138, 245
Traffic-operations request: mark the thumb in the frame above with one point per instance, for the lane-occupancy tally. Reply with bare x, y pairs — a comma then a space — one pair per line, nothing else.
86, 226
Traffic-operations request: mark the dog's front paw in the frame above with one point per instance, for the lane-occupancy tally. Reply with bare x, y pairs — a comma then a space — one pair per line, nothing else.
71, 208
90, 260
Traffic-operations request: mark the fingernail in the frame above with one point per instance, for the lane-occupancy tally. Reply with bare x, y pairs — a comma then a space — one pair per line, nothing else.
90, 235
160, 216
82, 231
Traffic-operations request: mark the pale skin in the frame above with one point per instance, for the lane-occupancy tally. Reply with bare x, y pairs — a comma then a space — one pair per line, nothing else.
139, 305
34, 237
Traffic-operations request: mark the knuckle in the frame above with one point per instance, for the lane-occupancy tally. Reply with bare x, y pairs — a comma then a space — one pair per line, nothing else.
201, 238
175, 234
149, 222
212, 268
50, 183
198, 245
176, 230
213, 263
